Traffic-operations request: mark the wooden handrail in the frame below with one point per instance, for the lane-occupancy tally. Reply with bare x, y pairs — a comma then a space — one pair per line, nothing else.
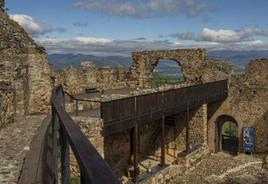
93, 169
79, 99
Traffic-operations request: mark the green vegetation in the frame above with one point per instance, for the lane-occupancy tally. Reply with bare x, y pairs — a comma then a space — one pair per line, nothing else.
229, 128
75, 180
159, 80
10, 119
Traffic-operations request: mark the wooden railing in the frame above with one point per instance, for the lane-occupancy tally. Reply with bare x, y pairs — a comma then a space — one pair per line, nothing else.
77, 100
120, 114
65, 134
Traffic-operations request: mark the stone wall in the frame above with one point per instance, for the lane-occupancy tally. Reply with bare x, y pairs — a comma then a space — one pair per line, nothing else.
144, 63
7, 98
92, 128
256, 72
2, 4
247, 104
198, 126
25, 65
76, 81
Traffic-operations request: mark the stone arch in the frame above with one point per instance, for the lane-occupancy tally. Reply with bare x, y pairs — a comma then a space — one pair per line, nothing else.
155, 65
219, 144
144, 63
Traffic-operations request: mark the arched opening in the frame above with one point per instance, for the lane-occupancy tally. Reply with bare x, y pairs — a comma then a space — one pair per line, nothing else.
167, 71
227, 139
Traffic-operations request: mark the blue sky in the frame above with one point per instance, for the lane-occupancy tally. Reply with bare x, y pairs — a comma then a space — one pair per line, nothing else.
114, 27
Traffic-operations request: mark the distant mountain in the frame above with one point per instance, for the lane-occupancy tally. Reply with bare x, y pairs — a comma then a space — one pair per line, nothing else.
238, 58
59, 61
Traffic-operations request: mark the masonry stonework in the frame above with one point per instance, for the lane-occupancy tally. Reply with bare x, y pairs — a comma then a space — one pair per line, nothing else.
247, 104
25, 66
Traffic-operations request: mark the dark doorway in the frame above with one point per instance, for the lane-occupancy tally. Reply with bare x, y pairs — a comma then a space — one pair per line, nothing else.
229, 137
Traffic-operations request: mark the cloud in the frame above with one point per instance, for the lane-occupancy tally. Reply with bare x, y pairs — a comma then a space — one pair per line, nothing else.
144, 9
105, 46
102, 46
222, 35
31, 26
80, 24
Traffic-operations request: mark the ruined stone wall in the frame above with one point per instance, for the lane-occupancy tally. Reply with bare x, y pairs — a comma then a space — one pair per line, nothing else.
26, 67
7, 98
92, 128
144, 63
198, 126
247, 104
194, 64
76, 81
257, 72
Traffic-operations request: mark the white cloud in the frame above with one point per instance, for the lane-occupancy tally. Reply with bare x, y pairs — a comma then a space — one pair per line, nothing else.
91, 40
144, 9
223, 35
105, 46
102, 46
31, 26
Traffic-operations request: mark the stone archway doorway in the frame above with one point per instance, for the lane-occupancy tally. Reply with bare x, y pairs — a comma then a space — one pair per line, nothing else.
166, 72
227, 138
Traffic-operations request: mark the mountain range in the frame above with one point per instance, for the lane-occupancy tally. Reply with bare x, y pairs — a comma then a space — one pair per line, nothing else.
237, 58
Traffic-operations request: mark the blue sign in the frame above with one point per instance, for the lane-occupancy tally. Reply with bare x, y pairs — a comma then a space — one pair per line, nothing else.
248, 139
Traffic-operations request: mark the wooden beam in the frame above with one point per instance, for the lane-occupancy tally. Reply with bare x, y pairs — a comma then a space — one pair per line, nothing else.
136, 153
163, 140
187, 129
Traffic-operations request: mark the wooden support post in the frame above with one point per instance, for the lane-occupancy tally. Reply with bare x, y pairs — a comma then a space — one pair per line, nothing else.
187, 129
163, 140
135, 152
174, 139
76, 107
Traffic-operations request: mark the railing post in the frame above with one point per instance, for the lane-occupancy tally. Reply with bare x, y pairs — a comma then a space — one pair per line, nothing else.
136, 171
187, 128
163, 140
65, 169
54, 160
76, 107
136, 143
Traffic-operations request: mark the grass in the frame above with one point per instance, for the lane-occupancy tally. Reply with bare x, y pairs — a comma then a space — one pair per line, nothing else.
229, 128
75, 180
10, 119
159, 80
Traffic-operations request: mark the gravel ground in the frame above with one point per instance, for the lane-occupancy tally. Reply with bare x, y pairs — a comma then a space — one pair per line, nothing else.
222, 168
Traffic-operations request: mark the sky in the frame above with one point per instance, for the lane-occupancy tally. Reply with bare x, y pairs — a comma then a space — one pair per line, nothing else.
119, 27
